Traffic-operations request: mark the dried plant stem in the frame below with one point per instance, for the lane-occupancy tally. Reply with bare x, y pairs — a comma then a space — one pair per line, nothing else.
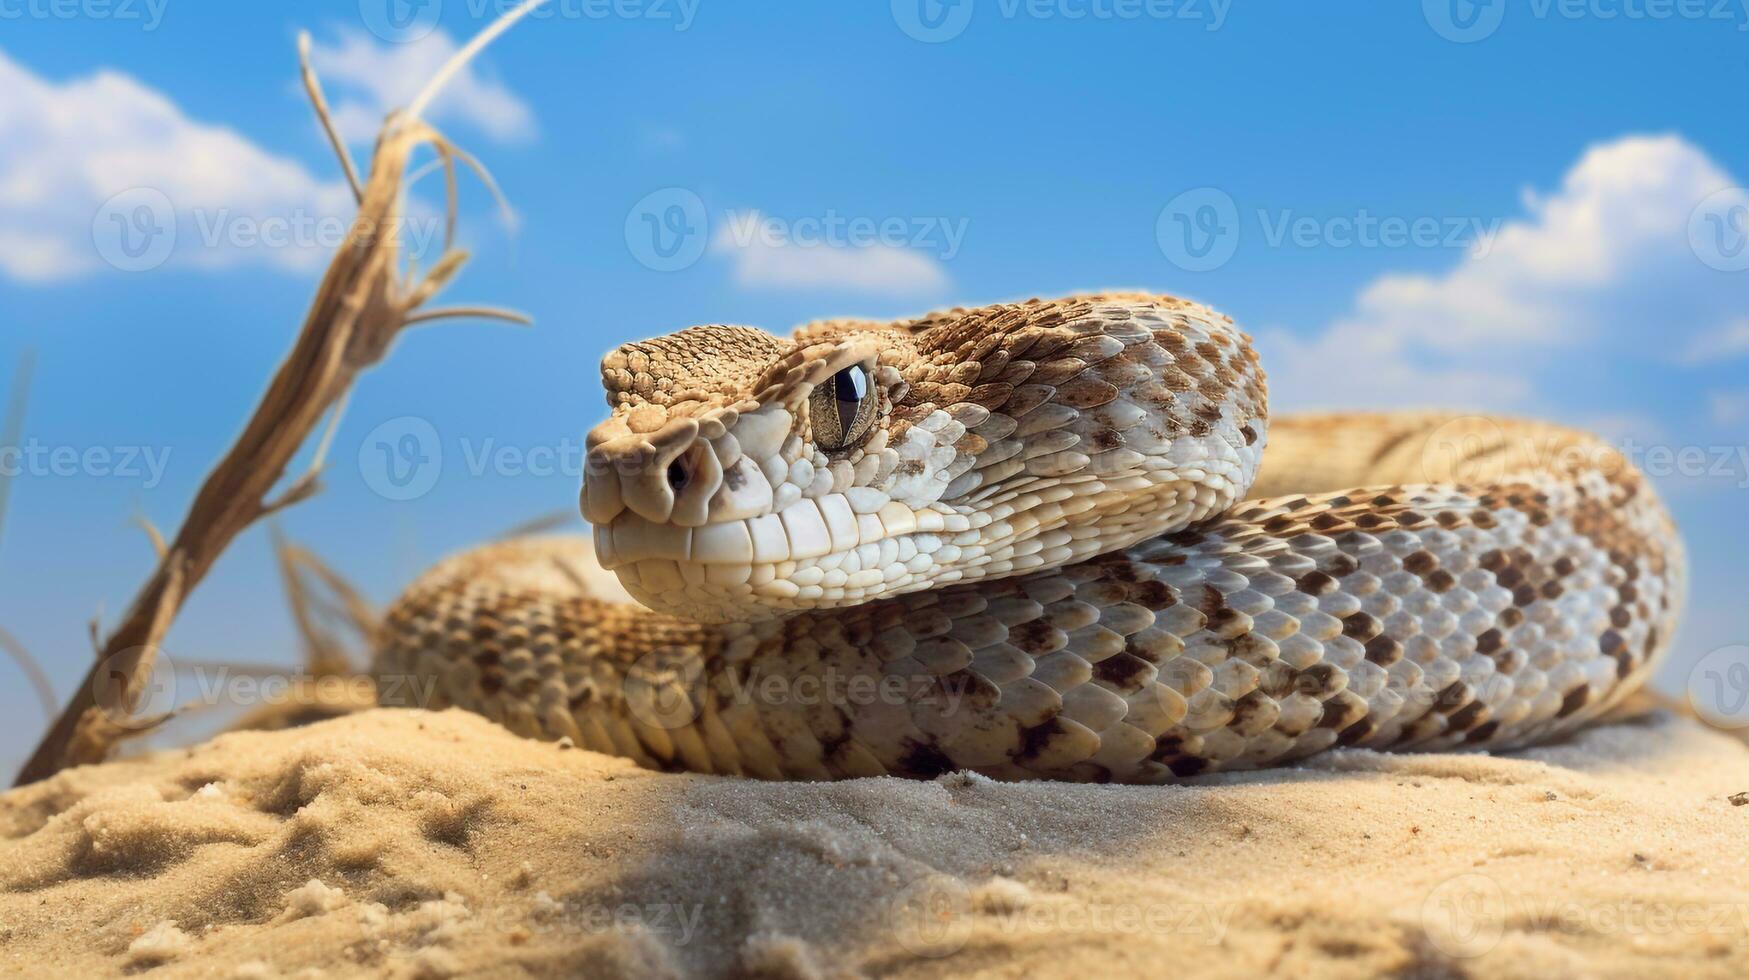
469, 312
313, 88
316, 616
460, 59
360, 307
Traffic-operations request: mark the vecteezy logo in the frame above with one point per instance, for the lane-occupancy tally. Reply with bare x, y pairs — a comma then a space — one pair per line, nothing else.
400, 21
932, 916
668, 229
665, 690
1718, 687
1199, 229
1470, 449
1464, 21
1718, 230
135, 230
154, 698
401, 459
932, 21
1465, 916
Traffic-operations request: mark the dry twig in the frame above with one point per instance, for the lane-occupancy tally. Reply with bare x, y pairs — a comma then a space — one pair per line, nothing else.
320, 619
360, 307
155, 536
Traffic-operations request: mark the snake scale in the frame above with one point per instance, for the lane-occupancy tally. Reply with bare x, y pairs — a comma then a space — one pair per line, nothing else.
1042, 540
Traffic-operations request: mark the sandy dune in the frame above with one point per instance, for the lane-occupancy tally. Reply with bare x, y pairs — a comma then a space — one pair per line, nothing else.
430, 844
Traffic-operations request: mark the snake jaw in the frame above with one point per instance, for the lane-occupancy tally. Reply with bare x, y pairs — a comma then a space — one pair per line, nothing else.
758, 500
1021, 437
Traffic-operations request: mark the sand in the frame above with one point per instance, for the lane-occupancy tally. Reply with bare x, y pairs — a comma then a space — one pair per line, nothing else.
412, 843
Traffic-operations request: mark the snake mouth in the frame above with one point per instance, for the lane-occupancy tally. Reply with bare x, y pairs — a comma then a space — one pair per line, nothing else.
836, 549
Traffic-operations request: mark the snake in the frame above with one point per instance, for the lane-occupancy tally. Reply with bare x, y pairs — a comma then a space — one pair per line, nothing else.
1043, 540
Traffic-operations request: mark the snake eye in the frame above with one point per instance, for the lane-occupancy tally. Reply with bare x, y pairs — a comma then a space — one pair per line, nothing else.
842, 409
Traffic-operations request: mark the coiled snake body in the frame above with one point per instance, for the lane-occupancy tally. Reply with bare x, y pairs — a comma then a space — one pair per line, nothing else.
1017, 540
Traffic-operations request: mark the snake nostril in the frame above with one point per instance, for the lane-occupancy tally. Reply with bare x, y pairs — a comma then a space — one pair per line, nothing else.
677, 474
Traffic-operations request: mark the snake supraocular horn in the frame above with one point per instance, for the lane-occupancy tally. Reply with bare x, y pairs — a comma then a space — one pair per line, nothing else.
1017, 540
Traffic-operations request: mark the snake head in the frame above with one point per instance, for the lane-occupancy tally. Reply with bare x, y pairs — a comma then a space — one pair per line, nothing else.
742, 476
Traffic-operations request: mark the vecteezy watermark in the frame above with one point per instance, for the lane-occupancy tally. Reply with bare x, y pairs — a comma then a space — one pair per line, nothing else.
678, 15
405, 21
172, 685
225, 228
1718, 462
1200, 230
135, 230
937, 235
220, 685
37, 459
1478, 449
678, 922
1718, 687
403, 458
1468, 21
1466, 916
138, 229
1718, 230
147, 13
153, 694
1464, 21
932, 21
400, 21
669, 229
935, 21
668, 689
1363, 229
934, 916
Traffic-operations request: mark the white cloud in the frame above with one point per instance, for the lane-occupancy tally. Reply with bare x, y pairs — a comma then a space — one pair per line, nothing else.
365, 79
67, 148
1601, 266
768, 254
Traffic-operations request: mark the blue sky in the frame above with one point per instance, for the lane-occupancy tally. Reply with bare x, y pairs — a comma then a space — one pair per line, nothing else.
1545, 218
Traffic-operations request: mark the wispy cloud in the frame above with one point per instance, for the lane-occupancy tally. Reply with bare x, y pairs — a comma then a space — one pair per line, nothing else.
1602, 267
367, 78
105, 170
762, 260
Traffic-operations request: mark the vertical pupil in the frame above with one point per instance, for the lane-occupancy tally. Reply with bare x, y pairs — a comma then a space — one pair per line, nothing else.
852, 385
